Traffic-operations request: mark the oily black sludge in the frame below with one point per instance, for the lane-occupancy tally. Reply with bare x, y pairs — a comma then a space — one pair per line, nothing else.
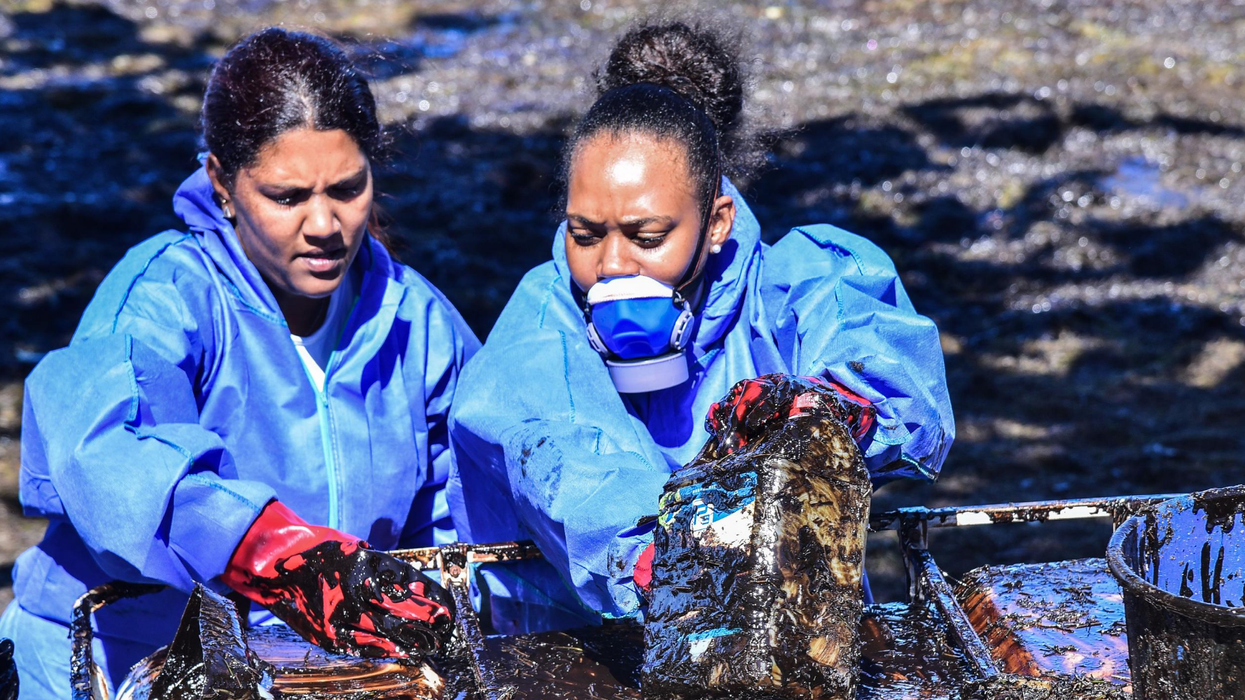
906, 654
757, 571
209, 657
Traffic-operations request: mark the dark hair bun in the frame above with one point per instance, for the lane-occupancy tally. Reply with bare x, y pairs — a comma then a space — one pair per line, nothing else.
694, 62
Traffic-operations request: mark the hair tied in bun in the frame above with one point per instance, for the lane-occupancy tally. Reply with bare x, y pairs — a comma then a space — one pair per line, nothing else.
676, 82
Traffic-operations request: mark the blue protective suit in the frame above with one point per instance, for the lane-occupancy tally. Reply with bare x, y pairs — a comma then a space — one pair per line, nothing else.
547, 449
181, 408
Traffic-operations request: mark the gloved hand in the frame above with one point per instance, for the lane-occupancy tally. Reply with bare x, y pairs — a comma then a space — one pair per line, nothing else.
335, 591
754, 405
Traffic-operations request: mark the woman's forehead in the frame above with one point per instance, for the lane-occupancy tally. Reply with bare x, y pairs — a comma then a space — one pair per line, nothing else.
635, 168
307, 157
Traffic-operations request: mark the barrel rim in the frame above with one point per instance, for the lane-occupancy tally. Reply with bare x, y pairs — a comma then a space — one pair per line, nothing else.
1132, 582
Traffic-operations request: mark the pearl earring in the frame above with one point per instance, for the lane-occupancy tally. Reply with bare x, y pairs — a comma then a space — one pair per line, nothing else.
715, 248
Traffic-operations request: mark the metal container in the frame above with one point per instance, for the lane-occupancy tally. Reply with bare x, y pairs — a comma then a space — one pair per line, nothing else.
1181, 566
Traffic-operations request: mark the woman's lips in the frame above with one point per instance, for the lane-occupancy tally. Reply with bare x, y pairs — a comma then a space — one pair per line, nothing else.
323, 260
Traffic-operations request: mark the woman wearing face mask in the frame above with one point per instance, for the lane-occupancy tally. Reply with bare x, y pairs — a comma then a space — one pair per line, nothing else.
250, 403
595, 383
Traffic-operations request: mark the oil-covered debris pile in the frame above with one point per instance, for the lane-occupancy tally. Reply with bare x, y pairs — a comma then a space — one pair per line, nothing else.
1015, 688
756, 578
212, 656
209, 657
1062, 618
302, 669
905, 653
591, 663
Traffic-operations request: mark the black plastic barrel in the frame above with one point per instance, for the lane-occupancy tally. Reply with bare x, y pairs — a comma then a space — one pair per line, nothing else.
1181, 565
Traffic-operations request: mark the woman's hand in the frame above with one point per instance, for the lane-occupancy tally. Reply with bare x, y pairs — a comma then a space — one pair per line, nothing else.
335, 591
754, 406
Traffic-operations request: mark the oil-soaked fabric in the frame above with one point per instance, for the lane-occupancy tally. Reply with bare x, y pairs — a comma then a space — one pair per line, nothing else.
547, 449
180, 409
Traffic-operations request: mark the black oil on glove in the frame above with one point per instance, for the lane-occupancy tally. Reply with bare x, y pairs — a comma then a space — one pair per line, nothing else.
754, 406
8, 671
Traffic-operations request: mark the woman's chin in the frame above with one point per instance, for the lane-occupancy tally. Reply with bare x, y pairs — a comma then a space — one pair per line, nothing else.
314, 287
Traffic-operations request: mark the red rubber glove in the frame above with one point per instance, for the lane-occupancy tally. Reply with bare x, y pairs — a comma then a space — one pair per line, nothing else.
754, 405
643, 573
335, 591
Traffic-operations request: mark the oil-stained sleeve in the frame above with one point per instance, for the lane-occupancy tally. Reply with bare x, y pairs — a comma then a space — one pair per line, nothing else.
840, 310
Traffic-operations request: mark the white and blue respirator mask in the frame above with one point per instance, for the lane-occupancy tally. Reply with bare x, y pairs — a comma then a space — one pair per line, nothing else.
641, 327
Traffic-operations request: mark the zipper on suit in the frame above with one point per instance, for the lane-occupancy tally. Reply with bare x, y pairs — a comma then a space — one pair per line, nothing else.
330, 453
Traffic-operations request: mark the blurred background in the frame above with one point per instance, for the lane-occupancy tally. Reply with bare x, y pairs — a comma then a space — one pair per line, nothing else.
1059, 182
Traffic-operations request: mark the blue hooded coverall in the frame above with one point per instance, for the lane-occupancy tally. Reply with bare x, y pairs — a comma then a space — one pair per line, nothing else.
547, 449
181, 408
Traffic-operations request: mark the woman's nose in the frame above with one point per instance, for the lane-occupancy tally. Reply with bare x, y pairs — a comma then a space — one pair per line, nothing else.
616, 259
321, 221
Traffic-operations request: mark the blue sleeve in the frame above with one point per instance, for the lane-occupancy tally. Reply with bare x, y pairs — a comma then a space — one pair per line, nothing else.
115, 446
443, 347
547, 450
111, 439
841, 311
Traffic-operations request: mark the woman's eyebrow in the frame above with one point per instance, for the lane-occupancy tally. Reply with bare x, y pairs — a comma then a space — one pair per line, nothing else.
629, 222
299, 187
281, 188
645, 221
348, 180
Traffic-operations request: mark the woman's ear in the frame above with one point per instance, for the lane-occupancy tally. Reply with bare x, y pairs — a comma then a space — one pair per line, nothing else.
216, 174
723, 220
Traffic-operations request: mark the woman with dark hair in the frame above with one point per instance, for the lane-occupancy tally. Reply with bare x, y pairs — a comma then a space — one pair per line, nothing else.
245, 403
659, 299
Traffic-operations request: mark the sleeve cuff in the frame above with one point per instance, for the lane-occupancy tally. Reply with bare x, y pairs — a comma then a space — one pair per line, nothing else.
213, 514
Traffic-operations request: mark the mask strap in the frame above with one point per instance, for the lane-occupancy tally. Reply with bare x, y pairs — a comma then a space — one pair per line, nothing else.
697, 267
